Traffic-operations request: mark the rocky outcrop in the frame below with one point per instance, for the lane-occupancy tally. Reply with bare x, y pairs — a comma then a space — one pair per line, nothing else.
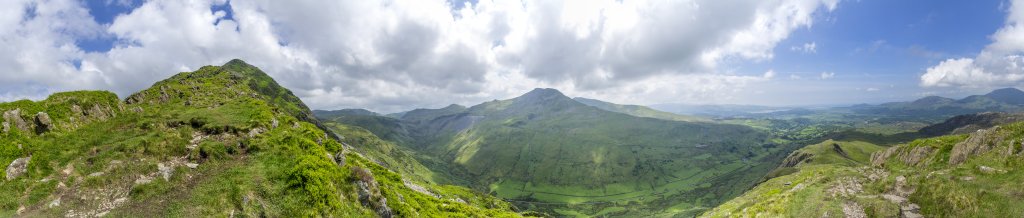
13, 118
879, 158
979, 142
369, 193
916, 156
17, 167
910, 156
99, 113
136, 98
43, 123
796, 158
164, 97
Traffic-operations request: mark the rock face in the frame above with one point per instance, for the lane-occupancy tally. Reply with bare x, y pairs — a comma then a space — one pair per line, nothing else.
43, 122
13, 117
979, 142
17, 167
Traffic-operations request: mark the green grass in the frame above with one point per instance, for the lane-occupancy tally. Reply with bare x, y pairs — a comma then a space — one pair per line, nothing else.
942, 189
94, 158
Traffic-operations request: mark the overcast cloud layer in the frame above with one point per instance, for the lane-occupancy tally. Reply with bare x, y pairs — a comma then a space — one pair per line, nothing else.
396, 55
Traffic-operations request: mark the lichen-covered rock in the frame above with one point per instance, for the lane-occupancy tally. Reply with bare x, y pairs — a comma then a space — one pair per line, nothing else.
98, 112
43, 122
14, 118
369, 193
165, 171
76, 110
978, 142
164, 97
17, 167
916, 156
879, 158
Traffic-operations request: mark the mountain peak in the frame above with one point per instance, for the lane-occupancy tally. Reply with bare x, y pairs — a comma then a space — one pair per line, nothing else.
454, 107
1006, 91
237, 62
543, 96
543, 93
1007, 95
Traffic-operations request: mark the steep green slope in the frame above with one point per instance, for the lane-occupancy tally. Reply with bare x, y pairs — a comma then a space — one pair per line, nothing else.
966, 175
547, 152
220, 141
637, 110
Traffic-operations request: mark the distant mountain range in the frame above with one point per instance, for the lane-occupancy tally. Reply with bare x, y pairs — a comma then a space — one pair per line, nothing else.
723, 110
1000, 100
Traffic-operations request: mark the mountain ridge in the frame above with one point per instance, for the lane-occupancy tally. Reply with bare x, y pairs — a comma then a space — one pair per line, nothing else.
218, 141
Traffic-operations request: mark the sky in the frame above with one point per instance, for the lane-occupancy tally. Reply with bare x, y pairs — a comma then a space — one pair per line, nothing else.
391, 56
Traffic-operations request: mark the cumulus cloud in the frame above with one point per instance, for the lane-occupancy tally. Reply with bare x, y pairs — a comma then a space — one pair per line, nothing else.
395, 55
37, 48
999, 64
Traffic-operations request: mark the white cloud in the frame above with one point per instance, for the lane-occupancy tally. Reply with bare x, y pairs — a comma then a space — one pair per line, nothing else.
1000, 63
827, 75
770, 74
794, 77
37, 48
810, 47
401, 54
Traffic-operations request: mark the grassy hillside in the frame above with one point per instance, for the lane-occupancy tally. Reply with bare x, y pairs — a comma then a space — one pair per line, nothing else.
220, 141
965, 175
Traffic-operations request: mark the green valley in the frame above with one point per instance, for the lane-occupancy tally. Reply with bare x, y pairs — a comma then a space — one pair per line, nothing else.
547, 152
